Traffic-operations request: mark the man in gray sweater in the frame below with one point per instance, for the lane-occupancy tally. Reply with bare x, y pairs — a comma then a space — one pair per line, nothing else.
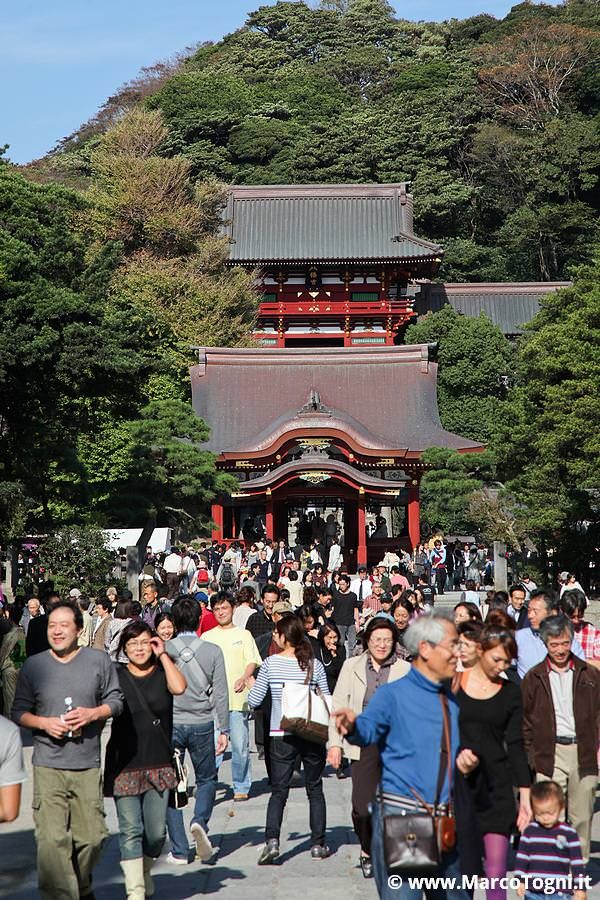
194, 713
65, 695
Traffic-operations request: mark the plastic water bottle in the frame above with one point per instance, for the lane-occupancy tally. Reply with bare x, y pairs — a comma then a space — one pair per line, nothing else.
68, 709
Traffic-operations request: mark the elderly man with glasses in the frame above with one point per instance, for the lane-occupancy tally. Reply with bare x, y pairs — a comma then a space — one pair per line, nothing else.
406, 719
561, 710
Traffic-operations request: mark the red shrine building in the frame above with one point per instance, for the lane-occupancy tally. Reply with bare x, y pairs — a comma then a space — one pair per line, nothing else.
323, 423
337, 263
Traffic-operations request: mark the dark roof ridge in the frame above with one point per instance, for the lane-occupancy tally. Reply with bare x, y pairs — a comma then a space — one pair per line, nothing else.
508, 286
405, 353
280, 191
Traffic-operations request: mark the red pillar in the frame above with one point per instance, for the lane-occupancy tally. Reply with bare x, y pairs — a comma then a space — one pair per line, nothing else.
414, 523
361, 550
217, 517
269, 517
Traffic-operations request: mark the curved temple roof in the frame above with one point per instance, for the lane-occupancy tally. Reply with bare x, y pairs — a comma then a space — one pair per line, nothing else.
383, 398
330, 468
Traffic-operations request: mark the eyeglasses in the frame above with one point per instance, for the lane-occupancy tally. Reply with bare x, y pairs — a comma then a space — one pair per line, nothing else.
138, 645
452, 646
381, 642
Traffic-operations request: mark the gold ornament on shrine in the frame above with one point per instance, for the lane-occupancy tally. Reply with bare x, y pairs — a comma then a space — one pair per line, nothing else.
314, 477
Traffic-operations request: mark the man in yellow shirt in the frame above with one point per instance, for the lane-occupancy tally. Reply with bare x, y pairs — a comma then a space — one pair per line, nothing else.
241, 661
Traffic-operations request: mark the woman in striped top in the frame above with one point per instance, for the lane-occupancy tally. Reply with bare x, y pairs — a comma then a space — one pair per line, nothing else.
290, 665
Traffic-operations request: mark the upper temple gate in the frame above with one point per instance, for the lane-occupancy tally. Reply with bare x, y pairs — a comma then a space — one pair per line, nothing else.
324, 423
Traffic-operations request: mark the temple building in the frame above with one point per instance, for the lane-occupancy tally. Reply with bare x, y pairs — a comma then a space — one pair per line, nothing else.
322, 443
325, 421
334, 262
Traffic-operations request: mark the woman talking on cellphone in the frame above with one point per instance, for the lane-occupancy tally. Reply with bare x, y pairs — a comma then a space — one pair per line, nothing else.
138, 770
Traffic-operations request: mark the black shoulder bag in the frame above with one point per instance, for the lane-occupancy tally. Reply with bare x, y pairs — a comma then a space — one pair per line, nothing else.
178, 797
413, 841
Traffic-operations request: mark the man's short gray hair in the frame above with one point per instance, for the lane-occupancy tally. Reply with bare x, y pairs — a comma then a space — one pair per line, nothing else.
430, 627
554, 626
544, 597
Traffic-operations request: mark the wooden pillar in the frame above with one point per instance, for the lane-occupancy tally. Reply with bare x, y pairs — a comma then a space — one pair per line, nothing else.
414, 523
217, 517
269, 516
361, 549
347, 332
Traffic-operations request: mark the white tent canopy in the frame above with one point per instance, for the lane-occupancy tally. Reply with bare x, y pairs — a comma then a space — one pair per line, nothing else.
160, 539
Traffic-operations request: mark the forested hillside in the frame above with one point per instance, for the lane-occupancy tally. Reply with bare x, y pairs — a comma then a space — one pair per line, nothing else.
111, 267
495, 122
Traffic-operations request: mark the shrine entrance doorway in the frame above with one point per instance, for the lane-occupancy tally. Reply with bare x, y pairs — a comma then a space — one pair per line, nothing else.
304, 514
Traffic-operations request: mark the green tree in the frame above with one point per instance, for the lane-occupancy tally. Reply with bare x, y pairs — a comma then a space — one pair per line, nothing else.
448, 487
163, 472
77, 556
63, 347
499, 517
102, 297
14, 509
474, 360
174, 263
547, 442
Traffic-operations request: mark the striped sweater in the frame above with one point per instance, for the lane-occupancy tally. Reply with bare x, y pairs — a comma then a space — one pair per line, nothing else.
274, 672
550, 853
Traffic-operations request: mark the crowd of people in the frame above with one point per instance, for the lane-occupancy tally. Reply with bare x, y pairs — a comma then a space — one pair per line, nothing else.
488, 716
446, 566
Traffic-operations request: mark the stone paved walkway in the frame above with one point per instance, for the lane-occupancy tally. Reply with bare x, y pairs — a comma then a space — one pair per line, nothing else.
238, 832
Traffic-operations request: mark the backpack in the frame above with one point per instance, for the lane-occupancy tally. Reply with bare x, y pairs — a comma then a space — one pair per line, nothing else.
202, 576
186, 655
227, 575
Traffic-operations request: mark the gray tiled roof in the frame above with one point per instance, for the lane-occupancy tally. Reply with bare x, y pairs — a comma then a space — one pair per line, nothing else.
386, 396
508, 305
323, 222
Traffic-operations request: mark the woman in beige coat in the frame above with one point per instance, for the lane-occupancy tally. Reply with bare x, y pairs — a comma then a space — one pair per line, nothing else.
359, 679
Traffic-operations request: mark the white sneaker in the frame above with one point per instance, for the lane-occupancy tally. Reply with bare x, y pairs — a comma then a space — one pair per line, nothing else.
175, 860
204, 848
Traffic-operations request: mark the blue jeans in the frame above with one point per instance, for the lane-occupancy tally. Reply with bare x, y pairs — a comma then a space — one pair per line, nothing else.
200, 742
239, 735
449, 868
348, 638
142, 829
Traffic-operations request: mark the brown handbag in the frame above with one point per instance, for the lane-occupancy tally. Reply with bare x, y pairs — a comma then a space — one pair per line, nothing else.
414, 840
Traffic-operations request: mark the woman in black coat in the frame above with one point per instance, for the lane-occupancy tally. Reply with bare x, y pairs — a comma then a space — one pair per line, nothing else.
331, 652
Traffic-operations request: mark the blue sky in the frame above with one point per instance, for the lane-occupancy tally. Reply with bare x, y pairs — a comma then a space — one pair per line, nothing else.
60, 59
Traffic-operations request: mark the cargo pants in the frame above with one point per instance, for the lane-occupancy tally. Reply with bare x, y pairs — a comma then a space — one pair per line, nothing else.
68, 812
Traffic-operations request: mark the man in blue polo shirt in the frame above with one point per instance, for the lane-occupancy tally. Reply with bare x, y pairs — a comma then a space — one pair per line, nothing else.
410, 755
531, 649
